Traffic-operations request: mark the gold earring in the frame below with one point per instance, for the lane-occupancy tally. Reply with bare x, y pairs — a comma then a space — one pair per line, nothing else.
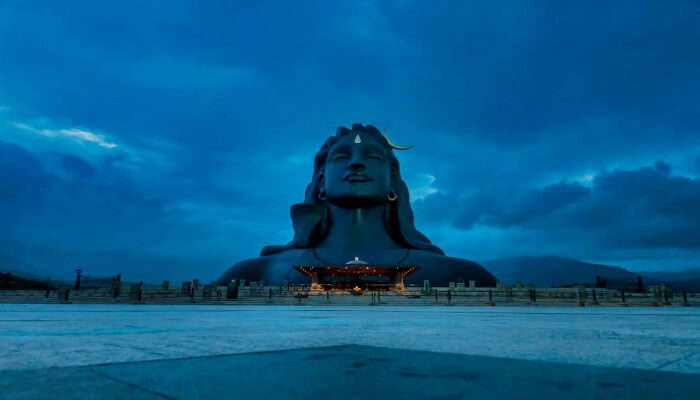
392, 196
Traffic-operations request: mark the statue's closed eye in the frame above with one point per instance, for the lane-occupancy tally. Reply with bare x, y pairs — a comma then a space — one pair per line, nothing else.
344, 156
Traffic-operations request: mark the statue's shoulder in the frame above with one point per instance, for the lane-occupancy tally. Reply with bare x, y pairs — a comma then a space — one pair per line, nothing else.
459, 262
273, 268
441, 269
290, 257
251, 269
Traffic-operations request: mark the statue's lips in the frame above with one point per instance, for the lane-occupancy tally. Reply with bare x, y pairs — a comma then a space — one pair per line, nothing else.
357, 178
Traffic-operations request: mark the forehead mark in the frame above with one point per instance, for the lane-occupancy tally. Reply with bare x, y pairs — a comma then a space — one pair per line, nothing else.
345, 144
357, 138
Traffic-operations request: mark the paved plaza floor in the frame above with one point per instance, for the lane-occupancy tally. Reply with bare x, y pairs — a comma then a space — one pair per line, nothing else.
201, 352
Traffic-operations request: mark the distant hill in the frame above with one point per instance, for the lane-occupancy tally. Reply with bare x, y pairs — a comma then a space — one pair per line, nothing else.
550, 271
688, 279
17, 267
13, 282
675, 276
13, 279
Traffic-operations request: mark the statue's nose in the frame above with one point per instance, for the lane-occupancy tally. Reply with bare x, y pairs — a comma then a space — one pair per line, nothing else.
356, 163
357, 166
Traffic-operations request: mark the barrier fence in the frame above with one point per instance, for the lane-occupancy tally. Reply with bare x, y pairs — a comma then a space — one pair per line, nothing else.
254, 293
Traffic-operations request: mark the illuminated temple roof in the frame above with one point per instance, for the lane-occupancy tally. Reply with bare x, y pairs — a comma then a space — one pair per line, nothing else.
355, 270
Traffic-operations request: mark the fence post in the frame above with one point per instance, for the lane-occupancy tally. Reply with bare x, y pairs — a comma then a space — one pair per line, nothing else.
668, 296
531, 291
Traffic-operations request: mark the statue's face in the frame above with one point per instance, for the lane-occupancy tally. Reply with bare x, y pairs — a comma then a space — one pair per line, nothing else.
357, 174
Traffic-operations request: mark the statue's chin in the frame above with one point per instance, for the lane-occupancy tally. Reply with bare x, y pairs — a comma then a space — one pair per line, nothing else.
350, 201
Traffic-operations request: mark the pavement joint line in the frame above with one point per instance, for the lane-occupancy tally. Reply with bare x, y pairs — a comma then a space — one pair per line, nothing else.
131, 384
536, 360
667, 363
92, 367
342, 346
34, 320
336, 346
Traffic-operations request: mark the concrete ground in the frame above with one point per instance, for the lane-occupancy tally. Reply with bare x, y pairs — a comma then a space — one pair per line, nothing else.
137, 351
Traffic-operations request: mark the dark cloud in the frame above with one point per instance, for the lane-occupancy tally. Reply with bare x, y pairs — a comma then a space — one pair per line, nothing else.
508, 209
435, 208
94, 211
18, 167
22, 182
516, 72
62, 220
645, 208
76, 166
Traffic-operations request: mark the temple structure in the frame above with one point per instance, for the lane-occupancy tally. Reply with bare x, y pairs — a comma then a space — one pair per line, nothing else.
367, 277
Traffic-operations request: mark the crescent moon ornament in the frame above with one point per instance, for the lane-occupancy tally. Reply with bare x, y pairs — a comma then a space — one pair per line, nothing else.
394, 145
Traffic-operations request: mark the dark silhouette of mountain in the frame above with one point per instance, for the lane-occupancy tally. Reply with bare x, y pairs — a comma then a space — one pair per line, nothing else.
17, 267
688, 279
10, 281
690, 285
86, 281
550, 271
675, 276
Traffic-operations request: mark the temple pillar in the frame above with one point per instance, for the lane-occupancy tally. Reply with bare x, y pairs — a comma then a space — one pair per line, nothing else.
397, 280
315, 284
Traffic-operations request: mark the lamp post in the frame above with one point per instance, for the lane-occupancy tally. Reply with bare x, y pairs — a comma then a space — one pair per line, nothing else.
78, 272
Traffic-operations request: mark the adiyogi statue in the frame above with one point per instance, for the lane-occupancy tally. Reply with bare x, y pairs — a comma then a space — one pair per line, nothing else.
356, 211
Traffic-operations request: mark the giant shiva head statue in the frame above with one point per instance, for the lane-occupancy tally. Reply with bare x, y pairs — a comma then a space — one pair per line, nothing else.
356, 168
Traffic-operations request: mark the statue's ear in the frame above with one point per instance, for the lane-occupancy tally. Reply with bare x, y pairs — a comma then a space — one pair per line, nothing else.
305, 218
394, 169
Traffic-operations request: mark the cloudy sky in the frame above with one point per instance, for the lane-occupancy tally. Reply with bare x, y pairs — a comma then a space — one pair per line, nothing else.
167, 140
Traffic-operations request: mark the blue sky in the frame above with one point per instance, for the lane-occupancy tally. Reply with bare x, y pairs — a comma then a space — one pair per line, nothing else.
167, 140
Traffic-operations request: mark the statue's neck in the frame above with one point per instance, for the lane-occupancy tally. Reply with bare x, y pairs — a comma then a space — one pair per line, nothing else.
357, 231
